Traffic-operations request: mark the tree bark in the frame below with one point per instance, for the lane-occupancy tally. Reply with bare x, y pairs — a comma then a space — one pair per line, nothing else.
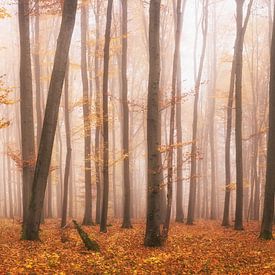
152, 235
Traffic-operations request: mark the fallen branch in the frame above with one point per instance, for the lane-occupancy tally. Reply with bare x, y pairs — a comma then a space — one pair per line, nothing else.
89, 244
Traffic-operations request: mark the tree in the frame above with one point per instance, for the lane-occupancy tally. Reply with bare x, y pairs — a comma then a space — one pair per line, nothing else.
152, 235
239, 40
125, 120
98, 115
26, 104
32, 224
69, 149
172, 118
193, 179
179, 198
104, 210
268, 211
238, 102
87, 220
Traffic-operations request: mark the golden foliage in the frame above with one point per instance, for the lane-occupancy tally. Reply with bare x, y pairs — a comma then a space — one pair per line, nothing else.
206, 248
4, 13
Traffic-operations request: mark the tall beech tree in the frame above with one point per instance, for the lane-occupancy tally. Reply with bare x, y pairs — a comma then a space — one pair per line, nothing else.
268, 211
179, 196
32, 223
241, 27
104, 210
193, 173
152, 235
69, 149
87, 220
125, 119
26, 104
172, 119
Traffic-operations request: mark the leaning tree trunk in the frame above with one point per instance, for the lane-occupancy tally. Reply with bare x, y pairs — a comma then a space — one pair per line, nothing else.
32, 224
125, 118
193, 179
268, 211
152, 235
87, 220
104, 210
26, 104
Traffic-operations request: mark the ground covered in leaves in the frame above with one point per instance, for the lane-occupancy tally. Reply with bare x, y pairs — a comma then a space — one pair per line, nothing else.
205, 248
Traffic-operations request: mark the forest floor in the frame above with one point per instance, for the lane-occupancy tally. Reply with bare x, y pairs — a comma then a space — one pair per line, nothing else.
205, 248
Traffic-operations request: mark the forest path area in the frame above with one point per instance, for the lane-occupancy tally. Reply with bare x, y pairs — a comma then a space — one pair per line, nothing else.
205, 248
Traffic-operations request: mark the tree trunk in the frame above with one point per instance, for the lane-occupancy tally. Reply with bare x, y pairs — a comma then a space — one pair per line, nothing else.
225, 221
31, 226
104, 210
87, 220
213, 211
26, 104
98, 118
152, 235
172, 119
193, 179
238, 117
69, 149
268, 211
125, 120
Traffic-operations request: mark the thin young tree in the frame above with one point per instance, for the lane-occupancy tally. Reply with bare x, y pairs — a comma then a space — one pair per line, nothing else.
179, 196
152, 235
125, 119
172, 119
193, 176
98, 113
87, 220
104, 210
32, 224
268, 211
69, 149
26, 104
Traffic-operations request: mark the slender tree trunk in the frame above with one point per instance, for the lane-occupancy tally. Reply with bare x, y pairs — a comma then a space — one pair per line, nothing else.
104, 211
69, 149
125, 118
37, 72
225, 221
193, 176
26, 104
152, 235
172, 119
213, 211
238, 117
87, 220
98, 118
32, 224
